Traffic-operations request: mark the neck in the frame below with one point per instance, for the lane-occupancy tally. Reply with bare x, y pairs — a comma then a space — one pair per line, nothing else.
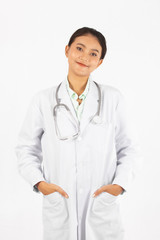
77, 84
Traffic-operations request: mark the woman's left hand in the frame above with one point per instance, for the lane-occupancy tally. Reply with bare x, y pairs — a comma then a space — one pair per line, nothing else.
113, 189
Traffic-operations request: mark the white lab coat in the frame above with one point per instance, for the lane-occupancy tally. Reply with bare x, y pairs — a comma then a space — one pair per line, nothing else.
103, 154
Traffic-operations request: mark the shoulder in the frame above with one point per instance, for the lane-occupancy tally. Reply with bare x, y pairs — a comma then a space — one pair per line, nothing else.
42, 95
111, 92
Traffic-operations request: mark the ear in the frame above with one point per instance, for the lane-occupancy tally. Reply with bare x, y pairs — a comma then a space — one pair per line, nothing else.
66, 50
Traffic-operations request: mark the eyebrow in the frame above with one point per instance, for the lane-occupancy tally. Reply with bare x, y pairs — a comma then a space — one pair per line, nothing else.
85, 46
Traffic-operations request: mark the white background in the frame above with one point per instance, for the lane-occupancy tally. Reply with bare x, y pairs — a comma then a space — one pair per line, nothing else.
33, 36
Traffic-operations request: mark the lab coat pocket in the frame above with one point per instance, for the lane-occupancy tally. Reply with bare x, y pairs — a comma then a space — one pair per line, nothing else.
53, 198
105, 218
104, 201
108, 198
106, 213
55, 212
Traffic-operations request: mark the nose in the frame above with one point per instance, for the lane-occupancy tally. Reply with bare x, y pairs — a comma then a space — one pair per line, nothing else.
84, 57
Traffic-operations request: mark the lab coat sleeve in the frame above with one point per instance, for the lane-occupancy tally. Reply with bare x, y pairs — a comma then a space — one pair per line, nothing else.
28, 149
127, 147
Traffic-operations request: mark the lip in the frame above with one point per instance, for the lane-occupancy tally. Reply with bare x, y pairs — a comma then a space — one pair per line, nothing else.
81, 64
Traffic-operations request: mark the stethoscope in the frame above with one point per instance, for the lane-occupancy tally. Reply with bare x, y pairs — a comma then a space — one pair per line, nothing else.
96, 119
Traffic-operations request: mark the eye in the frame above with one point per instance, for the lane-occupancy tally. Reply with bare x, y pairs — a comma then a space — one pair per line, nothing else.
79, 48
94, 54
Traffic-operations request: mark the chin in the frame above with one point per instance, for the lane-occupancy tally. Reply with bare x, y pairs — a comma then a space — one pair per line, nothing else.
81, 74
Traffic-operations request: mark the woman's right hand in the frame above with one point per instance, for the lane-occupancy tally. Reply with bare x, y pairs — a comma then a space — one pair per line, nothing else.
47, 188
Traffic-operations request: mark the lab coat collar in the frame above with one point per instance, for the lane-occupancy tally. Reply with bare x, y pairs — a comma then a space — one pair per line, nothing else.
90, 105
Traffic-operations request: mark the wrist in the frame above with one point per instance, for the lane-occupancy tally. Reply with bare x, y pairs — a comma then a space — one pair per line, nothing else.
40, 184
118, 188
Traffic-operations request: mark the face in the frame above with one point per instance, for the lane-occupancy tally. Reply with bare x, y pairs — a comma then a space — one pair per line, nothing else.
84, 55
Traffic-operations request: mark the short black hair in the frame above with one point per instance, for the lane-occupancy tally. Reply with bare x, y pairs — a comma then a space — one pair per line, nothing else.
86, 30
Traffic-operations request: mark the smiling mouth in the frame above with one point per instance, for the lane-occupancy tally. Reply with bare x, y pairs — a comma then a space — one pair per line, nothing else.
81, 64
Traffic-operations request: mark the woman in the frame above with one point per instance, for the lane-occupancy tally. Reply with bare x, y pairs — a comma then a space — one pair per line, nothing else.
87, 154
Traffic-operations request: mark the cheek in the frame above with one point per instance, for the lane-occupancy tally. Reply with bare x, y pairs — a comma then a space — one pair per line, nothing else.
73, 55
95, 63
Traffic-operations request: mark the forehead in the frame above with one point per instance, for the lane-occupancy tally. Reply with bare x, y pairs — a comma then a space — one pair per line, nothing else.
89, 41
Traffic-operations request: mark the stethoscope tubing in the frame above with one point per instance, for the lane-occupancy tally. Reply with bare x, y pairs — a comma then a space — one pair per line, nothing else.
97, 115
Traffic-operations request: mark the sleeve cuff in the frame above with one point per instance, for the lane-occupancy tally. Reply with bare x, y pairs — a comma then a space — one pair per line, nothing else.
35, 189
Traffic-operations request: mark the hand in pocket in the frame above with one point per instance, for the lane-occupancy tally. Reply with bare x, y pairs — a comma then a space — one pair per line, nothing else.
113, 189
48, 188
